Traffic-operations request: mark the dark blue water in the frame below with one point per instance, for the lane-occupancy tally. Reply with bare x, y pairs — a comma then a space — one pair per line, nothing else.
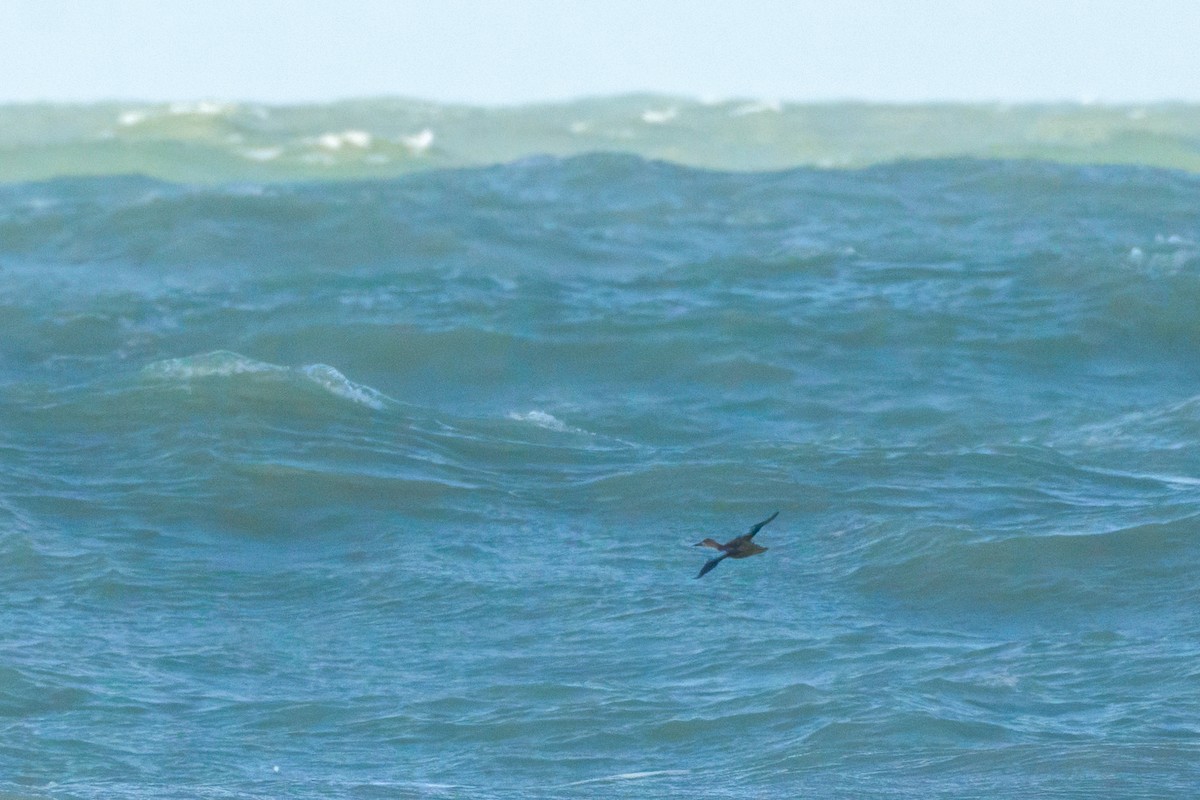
388, 489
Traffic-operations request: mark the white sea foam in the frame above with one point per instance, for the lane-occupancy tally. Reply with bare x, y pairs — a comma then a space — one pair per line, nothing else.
349, 138
548, 421
419, 142
1167, 255
659, 116
544, 420
224, 364
338, 384
1174, 239
220, 363
630, 776
757, 107
203, 108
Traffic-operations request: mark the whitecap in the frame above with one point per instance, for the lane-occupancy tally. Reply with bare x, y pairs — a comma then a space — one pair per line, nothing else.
128, 119
338, 384
330, 141
419, 142
350, 138
360, 139
757, 107
544, 420
225, 363
549, 422
659, 116
203, 108
219, 363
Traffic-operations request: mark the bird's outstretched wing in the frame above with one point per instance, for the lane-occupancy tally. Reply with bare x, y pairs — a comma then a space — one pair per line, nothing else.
758, 526
712, 562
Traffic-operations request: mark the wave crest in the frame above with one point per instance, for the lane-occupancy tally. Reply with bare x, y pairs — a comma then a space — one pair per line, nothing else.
226, 364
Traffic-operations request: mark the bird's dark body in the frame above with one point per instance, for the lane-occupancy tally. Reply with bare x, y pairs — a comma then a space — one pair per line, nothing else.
741, 547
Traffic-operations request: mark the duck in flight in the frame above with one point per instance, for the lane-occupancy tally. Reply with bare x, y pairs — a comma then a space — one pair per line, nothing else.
741, 547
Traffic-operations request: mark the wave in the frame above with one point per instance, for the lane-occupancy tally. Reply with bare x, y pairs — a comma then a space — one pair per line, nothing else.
543, 420
628, 776
1094, 573
1179, 418
187, 371
622, 215
221, 142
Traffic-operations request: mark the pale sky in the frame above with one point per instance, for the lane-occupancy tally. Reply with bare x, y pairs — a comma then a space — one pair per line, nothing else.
518, 51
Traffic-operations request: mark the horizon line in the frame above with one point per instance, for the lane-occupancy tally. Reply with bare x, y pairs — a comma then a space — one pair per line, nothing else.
770, 102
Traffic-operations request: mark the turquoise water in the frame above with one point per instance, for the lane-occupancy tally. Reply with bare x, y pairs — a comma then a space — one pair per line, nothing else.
388, 488
215, 142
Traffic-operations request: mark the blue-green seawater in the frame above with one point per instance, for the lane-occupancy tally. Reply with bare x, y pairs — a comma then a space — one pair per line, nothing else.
388, 489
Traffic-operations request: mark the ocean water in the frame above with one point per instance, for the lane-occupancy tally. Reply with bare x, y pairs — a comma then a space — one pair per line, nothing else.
388, 488
215, 142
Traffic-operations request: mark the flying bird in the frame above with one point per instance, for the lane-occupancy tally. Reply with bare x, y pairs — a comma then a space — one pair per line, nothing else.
741, 547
